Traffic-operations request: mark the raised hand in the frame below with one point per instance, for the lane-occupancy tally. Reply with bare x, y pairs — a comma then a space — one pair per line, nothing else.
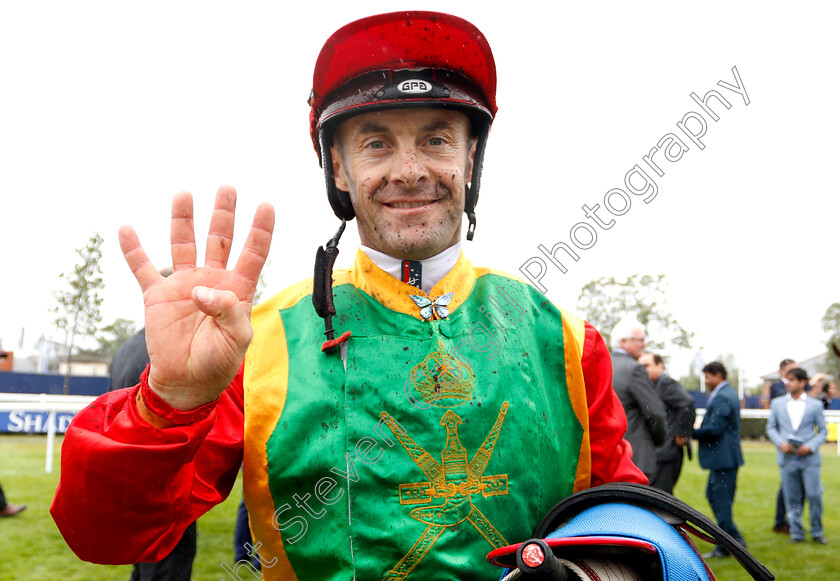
198, 320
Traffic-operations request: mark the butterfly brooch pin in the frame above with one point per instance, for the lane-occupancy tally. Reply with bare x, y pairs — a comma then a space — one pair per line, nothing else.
437, 306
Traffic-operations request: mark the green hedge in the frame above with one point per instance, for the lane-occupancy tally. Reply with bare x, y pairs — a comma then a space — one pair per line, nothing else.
753, 428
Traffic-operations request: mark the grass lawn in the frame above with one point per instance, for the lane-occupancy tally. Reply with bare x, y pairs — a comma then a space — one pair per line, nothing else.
754, 510
34, 550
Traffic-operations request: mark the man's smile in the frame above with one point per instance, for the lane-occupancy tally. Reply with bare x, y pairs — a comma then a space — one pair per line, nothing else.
410, 205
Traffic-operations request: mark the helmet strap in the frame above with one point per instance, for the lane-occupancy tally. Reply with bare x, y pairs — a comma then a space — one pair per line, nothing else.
471, 190
322, 295
471, 227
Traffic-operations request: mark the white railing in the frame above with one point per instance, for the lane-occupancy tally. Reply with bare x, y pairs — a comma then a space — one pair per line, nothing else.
831, 417
42, 402
54, 404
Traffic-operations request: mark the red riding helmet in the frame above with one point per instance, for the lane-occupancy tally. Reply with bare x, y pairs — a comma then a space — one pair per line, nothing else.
400, 60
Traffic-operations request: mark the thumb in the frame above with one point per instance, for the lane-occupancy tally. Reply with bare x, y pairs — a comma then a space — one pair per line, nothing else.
222, 305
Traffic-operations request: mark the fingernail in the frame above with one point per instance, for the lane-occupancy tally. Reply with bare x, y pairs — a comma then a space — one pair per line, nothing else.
204, 294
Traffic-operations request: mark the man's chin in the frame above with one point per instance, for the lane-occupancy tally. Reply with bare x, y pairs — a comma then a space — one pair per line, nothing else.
408, 247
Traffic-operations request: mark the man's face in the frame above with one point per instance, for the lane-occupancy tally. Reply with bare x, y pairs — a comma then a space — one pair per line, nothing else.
635, 345
654, 369
784, 370
796, 386
712, 380
406, 172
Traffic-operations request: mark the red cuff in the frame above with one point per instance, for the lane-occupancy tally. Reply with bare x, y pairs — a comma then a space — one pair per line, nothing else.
155, 404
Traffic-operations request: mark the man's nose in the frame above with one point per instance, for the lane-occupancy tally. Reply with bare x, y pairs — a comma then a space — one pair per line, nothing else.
408, 167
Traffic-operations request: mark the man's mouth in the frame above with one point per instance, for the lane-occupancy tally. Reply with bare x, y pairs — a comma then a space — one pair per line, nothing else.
409, 204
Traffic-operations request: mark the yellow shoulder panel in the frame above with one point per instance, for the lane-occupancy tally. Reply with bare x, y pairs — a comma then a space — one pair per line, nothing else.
482, 270
574, 331
266, 383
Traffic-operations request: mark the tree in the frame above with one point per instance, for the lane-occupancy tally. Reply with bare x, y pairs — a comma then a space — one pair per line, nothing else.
733, 373
78, 306
691, 382
831, 325
120, 331
261, 284
604, 302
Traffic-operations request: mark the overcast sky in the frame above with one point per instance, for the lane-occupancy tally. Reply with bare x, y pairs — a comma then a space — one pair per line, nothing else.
109, 108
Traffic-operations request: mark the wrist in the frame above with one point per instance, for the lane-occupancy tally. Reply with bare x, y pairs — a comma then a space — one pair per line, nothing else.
165, 413
183, 398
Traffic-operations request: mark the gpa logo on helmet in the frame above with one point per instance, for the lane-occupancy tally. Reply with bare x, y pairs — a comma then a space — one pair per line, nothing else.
414, 86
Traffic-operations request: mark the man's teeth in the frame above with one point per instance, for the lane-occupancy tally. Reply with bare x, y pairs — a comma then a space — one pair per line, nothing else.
407, 204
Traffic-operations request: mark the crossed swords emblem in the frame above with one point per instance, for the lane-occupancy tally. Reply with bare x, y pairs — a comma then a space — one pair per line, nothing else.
456, 481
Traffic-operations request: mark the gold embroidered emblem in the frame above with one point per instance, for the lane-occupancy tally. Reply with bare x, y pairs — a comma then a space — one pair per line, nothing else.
442, 380
455, 481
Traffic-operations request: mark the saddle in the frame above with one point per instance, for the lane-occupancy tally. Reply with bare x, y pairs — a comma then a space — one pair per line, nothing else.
620, 532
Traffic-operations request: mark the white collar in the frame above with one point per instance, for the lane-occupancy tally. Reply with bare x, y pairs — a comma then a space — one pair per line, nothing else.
434, 267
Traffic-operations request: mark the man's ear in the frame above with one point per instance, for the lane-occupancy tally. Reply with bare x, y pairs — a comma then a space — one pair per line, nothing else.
471, 159
339, 176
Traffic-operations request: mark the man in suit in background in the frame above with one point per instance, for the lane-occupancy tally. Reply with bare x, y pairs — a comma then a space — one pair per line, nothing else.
719, 450
645, 411
779, 387
797, 427
771, 391
679, 410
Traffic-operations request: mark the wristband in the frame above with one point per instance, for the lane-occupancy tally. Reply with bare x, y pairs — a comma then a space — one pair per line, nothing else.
156, 405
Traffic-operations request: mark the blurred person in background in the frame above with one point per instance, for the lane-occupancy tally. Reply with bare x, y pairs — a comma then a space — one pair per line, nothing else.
719, 450
771, 391
7, 509
645, 411
818, 388
679, 415
797, 427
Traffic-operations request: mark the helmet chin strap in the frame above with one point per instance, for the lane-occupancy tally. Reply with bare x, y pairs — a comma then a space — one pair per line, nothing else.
471, 227
322, 295
471, 189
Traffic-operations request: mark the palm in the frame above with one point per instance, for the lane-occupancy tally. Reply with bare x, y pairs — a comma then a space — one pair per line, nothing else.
185, 344
196, 342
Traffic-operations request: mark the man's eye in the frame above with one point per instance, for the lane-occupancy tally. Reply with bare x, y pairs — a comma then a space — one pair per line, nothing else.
436, 141
376, 145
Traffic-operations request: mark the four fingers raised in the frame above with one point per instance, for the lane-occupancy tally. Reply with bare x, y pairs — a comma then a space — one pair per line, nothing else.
219, 240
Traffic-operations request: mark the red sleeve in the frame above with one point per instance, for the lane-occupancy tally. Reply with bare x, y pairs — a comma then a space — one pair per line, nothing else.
610, 452
128, 490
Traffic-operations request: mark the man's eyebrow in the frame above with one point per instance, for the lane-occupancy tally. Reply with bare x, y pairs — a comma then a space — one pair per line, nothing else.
371, 127
439, 125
